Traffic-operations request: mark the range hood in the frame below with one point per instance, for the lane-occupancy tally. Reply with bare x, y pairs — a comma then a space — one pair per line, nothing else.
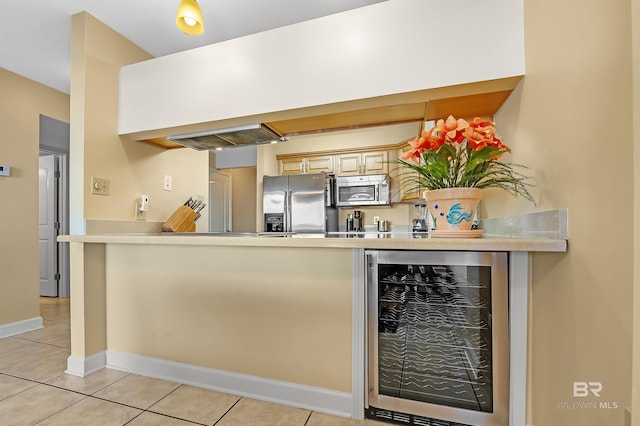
251, 134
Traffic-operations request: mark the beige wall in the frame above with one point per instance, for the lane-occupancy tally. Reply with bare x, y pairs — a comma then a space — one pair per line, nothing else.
570, 122
133, 168
234, 309
21, 104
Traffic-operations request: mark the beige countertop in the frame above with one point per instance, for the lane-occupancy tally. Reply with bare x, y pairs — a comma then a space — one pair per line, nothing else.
318, 240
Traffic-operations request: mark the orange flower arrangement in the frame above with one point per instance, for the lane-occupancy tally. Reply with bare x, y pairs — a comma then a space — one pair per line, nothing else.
455, 153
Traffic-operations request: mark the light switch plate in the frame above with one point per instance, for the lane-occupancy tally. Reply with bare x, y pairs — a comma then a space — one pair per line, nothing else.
99, 186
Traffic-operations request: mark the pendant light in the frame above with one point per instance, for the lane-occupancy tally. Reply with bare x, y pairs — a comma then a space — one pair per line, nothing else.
189, 18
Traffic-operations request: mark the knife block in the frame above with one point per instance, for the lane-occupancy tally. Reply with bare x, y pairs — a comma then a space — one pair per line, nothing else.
182, 220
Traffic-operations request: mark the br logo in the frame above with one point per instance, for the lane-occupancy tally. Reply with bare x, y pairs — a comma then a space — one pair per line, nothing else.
584, 389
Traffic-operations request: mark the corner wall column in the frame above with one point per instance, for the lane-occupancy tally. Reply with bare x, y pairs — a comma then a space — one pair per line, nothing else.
88, 309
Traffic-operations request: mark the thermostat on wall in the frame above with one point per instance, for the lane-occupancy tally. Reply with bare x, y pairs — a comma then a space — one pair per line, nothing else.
5, 170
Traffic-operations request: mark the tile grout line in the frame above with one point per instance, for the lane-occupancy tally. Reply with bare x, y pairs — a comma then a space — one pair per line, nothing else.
227, 412
173, 417
53, 414
41, 383
308, 418
149, 409
88, 394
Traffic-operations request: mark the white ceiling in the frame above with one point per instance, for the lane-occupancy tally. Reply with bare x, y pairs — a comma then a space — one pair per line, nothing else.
35, 35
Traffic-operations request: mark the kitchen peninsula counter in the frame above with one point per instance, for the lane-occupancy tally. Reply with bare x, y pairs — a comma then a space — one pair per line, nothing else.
389, 241
276, 318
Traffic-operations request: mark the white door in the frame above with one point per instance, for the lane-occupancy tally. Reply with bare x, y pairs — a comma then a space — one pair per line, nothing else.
48, 226
219, 202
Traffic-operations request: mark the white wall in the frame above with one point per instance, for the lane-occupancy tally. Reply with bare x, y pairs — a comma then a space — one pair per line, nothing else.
367, 52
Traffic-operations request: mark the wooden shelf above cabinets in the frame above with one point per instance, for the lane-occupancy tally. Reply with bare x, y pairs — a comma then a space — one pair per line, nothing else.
369, 117
480, 105
163, 142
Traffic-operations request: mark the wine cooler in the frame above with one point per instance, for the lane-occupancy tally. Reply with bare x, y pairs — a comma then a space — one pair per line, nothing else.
437, 336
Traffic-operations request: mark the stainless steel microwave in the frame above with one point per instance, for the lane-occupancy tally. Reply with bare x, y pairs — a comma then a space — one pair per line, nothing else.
362, 190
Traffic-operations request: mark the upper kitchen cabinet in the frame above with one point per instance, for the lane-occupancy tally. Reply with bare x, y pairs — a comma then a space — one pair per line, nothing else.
362, 163
306, 164
349, 70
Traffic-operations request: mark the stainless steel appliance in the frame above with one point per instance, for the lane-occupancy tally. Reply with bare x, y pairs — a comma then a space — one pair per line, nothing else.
252, 134
362, 190
437, 338
299, 203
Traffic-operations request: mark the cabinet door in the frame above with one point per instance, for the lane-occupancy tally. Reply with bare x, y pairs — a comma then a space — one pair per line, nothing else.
348, 164
292, 166
375, 162
319, 163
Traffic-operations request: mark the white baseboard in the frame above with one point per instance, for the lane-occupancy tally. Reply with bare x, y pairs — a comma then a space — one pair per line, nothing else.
82, 367
8, 330
302, 396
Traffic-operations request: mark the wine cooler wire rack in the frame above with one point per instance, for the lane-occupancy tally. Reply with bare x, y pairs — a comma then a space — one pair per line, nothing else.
432, 344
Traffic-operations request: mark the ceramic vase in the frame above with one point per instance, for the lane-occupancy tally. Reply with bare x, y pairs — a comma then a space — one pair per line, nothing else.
452, 211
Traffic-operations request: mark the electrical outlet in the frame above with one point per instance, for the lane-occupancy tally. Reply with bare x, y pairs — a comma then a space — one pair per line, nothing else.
140, 215
167, 184
99, 186
5, 170
376, 219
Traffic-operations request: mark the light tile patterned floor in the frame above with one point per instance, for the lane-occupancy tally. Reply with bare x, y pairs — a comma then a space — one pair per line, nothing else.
35, 391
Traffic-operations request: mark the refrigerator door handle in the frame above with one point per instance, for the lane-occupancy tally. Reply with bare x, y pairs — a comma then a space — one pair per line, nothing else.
285, 215
287, 211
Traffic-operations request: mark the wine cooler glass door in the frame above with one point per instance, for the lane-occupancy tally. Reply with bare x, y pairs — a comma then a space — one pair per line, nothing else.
437, 334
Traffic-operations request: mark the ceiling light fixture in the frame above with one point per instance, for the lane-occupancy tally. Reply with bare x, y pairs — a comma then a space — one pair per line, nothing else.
189, 18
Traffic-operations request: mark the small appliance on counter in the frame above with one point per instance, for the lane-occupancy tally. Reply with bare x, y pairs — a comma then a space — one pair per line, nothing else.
419, 221
349, 227
299, 203
358, 221
355, 221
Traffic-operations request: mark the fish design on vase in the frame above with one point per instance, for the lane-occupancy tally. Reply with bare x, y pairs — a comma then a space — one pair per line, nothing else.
457, 215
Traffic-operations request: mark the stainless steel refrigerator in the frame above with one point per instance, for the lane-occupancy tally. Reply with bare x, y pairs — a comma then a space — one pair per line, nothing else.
299, 203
